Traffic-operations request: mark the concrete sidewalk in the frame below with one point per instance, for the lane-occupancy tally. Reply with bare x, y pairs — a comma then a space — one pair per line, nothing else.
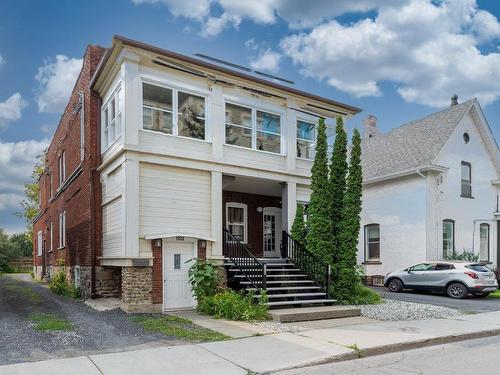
276, 351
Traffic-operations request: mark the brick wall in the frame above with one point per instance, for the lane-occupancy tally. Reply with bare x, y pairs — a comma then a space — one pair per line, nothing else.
255, 219
157, 273
81, 196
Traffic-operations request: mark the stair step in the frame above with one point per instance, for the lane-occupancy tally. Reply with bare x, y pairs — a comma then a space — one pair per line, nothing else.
290, 295
275, 276
278, 288
270, 270
301, 302
282, 282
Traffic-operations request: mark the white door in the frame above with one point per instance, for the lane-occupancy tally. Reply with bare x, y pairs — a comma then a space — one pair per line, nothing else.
272, 232
177, 290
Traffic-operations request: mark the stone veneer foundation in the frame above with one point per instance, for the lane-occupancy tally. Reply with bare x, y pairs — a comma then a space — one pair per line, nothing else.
137, 289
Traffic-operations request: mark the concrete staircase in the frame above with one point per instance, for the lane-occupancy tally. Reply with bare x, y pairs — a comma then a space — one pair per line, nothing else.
287, 286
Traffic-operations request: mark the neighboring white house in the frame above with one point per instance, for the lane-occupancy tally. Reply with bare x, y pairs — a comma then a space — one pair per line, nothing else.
430, 186
190, 148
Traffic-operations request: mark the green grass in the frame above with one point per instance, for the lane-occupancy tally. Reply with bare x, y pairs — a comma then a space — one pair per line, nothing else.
50, 322
26, 291
495, 294
177, 327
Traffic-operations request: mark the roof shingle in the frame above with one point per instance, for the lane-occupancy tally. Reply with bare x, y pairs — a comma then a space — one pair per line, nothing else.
412, 145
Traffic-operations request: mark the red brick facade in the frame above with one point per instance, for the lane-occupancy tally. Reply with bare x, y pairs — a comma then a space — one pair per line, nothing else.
79, 196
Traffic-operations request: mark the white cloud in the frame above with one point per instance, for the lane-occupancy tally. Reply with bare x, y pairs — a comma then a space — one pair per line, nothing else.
10, 109
16, 165
47, 129
267, 60
216, 15
2, 61
56, 80
428, 50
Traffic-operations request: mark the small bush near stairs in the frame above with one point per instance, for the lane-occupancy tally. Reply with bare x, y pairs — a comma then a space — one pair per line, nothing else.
214, 299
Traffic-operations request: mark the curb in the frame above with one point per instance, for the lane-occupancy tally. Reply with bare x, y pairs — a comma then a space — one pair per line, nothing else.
395, 348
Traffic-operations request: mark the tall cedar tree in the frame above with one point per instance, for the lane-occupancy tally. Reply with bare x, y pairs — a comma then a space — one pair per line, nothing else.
346, 278
299, 231
319, 237
338, 172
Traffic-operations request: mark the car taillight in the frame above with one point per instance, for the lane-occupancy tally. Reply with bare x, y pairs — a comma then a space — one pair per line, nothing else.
472, 275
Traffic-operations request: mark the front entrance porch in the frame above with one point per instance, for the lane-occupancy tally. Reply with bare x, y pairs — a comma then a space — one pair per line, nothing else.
252, 212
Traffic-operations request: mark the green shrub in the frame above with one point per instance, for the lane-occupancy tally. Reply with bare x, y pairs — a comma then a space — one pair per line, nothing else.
235, 306
60, 286
205, 279
4, 264
361, 295
467, 255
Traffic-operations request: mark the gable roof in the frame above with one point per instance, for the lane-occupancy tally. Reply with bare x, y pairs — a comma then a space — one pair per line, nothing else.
412, 145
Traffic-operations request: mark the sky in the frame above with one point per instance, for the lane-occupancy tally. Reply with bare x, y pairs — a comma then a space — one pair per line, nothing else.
396, 59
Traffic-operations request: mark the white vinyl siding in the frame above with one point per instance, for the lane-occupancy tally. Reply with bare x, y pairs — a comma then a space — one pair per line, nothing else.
174, 200
112, 228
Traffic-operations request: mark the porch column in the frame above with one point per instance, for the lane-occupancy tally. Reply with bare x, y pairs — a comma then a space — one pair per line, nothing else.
216, 208
131, 198
289, 205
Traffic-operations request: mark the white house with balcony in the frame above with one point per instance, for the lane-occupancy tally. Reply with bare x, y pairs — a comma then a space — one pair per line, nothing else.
430, 187
190, 148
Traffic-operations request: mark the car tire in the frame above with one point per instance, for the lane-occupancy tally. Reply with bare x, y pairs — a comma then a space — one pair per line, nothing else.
457, 291
395, 285
481, 295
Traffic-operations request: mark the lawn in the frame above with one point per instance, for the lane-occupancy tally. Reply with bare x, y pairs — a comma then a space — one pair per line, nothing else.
50, 322
495, 294
177, 327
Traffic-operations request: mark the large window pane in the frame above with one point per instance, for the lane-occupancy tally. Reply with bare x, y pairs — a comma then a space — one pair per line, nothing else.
268, 142
191, 116
238, 115
466, 179
154, 119
235, 215
306, 131
305, 149
157, 97
238, 135
268, 122
372, 238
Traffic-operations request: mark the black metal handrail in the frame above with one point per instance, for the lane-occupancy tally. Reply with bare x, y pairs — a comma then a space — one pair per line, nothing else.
242, 258
316, 268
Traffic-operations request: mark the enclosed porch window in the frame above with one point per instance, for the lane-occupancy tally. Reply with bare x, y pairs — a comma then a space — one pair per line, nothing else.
484, 242
448, 237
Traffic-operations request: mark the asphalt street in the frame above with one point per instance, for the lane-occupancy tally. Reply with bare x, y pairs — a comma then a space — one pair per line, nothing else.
471, 304
478, 356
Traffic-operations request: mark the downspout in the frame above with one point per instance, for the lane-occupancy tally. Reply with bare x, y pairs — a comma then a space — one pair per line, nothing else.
94, 156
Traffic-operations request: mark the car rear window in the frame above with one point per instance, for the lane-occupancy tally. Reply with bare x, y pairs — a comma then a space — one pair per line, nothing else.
478, 268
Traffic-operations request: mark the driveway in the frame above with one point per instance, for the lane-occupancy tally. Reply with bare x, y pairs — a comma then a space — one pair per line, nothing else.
91, 332
475, 305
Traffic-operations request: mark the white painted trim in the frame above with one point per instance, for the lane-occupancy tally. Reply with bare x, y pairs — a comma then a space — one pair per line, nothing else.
156, 236
408, 172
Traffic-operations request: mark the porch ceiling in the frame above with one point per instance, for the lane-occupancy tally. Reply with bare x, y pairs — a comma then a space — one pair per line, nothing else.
252, 185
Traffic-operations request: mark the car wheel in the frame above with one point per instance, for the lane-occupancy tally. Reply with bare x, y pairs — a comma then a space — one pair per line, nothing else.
457, 291
481, 295
395, 285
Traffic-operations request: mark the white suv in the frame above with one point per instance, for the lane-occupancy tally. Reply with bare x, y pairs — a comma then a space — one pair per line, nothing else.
457, 279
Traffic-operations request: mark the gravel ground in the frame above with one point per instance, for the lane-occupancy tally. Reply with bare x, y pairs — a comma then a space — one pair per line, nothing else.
93, 331
391, 310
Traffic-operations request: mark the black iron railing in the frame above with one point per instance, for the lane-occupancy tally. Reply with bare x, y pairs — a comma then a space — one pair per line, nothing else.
247, 263
317, 269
